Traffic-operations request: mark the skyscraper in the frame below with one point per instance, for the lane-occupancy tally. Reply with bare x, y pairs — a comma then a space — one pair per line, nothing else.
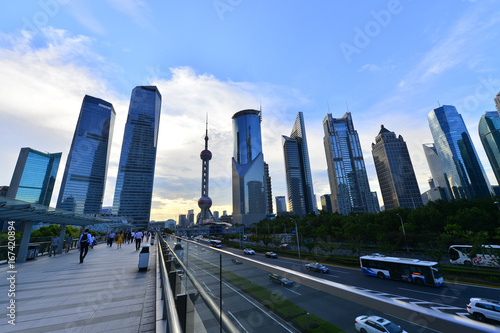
463, 172
326, 203
346, 167
280, 205
269, 192
134, 183
84, 179
298, 171
249, 179
436, 169
34, 176
395, 173
205, 202
489, 132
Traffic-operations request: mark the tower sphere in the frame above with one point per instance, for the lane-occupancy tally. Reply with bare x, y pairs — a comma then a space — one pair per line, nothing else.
206, 155
205, 202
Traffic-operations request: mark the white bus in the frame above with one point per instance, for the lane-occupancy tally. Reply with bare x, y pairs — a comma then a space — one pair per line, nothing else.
215, 243
461, 255
403, 269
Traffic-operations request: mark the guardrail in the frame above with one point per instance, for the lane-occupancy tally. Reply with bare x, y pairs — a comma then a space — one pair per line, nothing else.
431, 319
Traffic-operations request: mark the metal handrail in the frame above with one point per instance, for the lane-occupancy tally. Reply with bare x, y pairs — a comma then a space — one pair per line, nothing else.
440, 321
223, 320
173, 322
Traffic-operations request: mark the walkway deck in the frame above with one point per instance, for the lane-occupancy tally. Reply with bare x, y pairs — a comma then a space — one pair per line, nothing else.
107, 293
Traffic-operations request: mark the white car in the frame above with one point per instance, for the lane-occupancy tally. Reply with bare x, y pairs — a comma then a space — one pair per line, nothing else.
248, 251
482, 309
375, 324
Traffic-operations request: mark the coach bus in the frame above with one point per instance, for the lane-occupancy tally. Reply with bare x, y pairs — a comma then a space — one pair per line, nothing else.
215, 243
461, 255
415, 271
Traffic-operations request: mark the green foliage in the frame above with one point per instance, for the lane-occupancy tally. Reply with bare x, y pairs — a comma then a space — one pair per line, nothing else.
311, 323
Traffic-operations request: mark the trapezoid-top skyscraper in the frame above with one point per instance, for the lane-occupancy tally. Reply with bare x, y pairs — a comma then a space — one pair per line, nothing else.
463, 171
134, 183
250, 184
346, 168
298, 171
84, 179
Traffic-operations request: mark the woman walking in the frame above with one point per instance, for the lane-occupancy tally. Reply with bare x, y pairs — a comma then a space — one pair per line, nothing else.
119, 241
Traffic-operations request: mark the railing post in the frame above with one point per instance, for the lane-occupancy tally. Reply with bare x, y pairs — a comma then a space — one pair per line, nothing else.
181, 306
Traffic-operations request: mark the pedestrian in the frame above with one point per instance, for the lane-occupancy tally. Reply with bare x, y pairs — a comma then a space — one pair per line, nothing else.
53, 245
83, 244
111, 237
69, 240
119, 241
138, 238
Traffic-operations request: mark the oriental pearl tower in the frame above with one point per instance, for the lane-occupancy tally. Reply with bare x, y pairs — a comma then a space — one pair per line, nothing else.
205, 202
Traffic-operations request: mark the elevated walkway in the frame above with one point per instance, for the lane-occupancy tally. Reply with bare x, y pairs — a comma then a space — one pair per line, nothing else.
107, 293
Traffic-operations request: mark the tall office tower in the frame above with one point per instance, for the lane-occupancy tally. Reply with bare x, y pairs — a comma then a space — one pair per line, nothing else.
298, 171
249, 181
136, 171
280, 205
190, 216
489, 132
216, 215
463, 172
326, 203
436, 169
497, 102
34, 176
205, 202
269, 191
395, 173
183, 221
84, 179
346, 167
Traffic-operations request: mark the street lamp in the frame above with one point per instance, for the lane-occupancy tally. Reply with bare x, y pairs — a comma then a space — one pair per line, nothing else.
284, 226
404, 233
297, 232
498, 205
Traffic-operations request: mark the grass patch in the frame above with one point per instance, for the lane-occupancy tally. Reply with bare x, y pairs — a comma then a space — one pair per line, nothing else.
310, 323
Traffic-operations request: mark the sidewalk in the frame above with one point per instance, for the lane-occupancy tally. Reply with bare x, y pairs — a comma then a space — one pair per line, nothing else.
107, 293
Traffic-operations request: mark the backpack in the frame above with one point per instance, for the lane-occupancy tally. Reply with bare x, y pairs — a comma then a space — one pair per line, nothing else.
84, 241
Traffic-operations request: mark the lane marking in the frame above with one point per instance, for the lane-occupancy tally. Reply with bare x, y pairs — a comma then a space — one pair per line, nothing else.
237, 321
206, 287
423, 292
412, 323
293, 291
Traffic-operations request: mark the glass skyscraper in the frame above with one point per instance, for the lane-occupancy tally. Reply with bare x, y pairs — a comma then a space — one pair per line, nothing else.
436, 170
249, 178
84, 178
34, 176
134, 183
346, 167
497, 102
489, 132
463, 172
395, 173
298, 171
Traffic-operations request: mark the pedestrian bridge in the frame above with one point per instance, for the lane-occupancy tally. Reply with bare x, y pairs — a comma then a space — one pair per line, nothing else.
206, 290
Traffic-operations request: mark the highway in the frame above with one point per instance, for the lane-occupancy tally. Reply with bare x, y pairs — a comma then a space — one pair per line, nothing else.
249, 316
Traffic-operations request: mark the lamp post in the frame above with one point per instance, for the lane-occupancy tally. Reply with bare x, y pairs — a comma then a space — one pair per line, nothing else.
284, 226
404, 233
497, 204
297, 232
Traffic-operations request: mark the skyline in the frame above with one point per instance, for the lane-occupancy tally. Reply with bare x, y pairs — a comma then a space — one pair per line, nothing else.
387, 62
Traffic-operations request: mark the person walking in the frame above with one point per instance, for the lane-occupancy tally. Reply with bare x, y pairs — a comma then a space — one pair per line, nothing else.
53, 245
69, 240
83, 244
111, 238
119, 241
138, 239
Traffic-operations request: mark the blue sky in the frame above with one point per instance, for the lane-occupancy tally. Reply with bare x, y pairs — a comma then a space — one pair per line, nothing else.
390, 62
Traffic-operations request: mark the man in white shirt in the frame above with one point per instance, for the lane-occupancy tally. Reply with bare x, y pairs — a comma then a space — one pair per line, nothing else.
138, 238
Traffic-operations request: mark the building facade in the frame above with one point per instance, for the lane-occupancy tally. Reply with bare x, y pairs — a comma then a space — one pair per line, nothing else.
280, 205
134, 182
463, 171
298, 171
436, 170
248, 174
84, 179
489, 132
346, 167
269, 190
497, 102
34, 176
395, 173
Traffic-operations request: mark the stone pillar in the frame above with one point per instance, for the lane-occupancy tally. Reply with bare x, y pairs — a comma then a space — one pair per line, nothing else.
60, 247
23, 247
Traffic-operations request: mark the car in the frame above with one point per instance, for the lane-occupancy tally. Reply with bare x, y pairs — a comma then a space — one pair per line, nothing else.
248, 251
284, 246
236, 261
317, 267
482, 309
372, 324
271, 255
280, 280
